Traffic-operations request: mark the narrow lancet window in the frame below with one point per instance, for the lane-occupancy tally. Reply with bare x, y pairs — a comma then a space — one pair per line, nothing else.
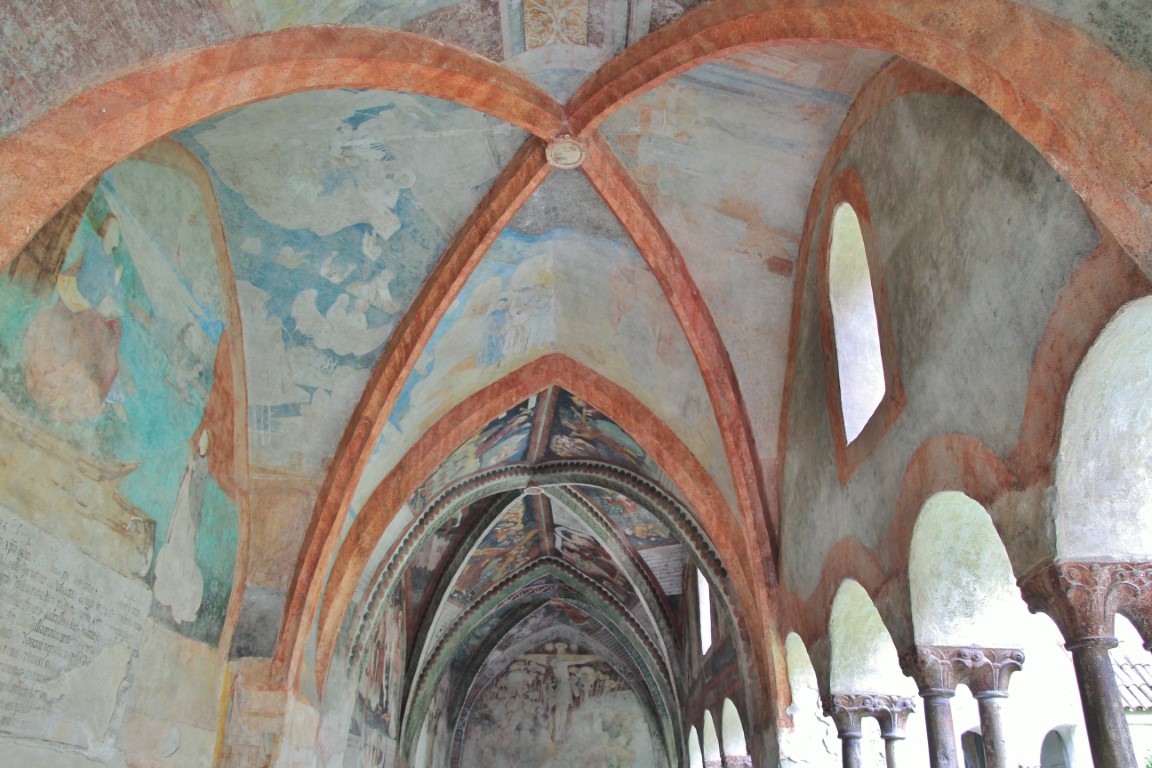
854, 322
705, 596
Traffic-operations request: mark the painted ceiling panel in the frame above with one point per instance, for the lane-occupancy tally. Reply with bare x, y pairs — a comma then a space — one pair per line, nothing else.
615, 319
727, 155
337, 204
502, 319
580, 430
659, 548
510, 543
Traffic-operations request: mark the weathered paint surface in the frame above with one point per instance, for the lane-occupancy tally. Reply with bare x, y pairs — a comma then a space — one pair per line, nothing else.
698, 146
558, 706
117, 360
946, 315
327, 263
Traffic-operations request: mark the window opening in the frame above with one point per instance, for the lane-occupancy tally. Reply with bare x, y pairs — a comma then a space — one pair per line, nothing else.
854, 323
973, 745
1054, 751
705, 595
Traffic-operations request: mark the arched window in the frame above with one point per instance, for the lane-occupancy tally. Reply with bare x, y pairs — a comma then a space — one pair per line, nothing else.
858, 358
864, 391
1054, 752
704, 595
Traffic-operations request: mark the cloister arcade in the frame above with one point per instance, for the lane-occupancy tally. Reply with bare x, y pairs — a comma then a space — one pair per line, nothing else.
707, 383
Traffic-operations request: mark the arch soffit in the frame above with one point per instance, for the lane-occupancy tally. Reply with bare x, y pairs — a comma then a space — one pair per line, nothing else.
439, 441
502, 483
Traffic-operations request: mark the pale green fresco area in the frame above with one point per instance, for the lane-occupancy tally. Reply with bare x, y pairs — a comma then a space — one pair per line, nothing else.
864, 658
156, 279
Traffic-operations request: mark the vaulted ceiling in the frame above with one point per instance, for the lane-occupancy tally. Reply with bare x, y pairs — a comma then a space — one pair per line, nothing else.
513, 396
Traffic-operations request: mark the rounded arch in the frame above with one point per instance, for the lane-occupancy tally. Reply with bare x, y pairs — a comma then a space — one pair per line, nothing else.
959, 578
732, 731
975, 45
864, 659
1104, 468
1056, 749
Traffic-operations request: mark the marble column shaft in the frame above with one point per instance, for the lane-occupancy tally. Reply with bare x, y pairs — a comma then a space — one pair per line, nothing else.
1083, 598
937, 670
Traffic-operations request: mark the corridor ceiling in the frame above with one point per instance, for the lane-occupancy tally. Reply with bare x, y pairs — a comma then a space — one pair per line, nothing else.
393, 256
521, 401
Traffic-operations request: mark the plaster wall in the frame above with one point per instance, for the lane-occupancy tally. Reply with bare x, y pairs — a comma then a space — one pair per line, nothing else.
1103, 502
976, 236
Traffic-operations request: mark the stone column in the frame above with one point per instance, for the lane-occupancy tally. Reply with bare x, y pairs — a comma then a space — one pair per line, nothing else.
938, 669
892, 719
986, 674
847, 710
846, 713
1083, 599
932, 670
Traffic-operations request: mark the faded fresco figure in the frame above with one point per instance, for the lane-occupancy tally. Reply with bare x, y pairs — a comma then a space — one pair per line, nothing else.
179, 583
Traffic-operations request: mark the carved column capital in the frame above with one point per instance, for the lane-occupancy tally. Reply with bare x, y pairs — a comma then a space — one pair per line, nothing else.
1083, 598
938, 669
848, 709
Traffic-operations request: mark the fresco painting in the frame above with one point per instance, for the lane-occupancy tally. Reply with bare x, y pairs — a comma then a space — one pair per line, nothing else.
504, 317
579, 547
570, 708
327, 264
511, 543
121, 349
375, 724
580, 430
503, 441
642, 528
698, 145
